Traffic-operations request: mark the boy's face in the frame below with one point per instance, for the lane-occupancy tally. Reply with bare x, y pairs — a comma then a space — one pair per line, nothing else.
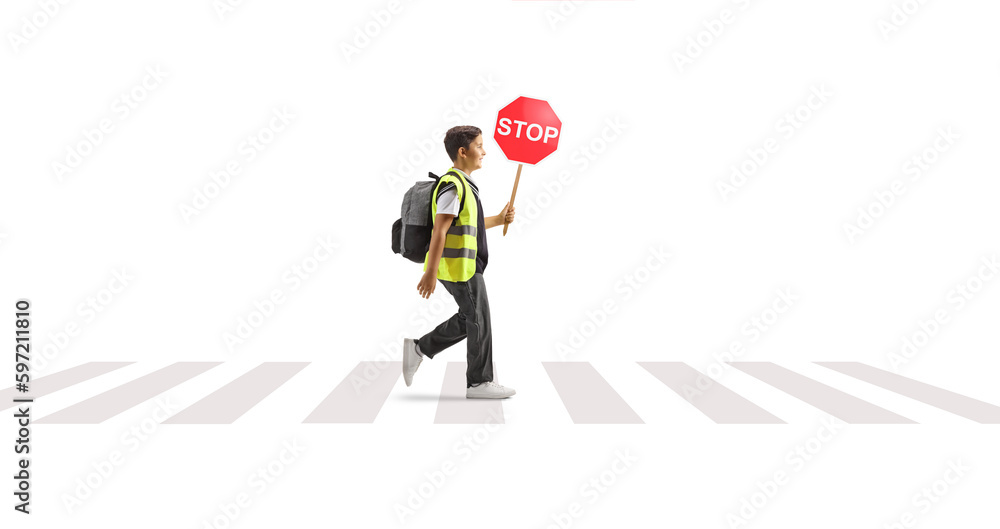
474, 153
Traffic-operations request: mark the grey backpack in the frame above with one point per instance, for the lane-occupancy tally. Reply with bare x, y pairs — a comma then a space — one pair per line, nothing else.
411, 233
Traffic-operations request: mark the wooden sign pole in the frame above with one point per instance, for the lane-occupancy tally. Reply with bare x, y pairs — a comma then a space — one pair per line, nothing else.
512, 193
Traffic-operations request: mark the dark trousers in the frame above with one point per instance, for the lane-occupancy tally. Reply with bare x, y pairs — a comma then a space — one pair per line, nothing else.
471, 323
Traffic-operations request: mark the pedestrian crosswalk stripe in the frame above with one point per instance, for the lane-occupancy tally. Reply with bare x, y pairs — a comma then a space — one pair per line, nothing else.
114, 401
231, 401
62, 379
716, 401
360, 395
843, 406
588, 397
961, 405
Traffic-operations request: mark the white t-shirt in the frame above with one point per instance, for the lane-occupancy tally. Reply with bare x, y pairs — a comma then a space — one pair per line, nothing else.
448, 202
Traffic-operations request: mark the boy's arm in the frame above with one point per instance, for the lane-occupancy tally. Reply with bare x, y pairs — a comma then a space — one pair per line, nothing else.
497, 220
442, 221
429, 280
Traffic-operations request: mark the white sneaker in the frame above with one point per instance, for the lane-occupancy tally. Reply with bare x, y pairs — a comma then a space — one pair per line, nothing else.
488, 390
411, 359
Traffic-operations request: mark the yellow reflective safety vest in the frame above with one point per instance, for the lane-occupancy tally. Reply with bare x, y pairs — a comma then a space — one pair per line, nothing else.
458, 259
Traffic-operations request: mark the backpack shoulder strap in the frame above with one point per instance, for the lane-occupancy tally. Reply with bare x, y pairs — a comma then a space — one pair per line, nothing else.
465, 190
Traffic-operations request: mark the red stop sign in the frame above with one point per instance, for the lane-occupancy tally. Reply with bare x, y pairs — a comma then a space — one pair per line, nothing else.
527, 130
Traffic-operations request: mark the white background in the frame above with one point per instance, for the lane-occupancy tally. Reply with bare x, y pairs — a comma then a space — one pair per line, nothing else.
334, 172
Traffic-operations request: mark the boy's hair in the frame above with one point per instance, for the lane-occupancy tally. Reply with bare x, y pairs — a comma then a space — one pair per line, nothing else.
460, 136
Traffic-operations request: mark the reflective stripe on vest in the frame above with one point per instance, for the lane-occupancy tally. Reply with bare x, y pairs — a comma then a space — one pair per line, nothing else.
462, 230
458, 258
459, 252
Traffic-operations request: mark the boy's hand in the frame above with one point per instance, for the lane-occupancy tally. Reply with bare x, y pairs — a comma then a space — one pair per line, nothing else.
507, 214
426, 285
